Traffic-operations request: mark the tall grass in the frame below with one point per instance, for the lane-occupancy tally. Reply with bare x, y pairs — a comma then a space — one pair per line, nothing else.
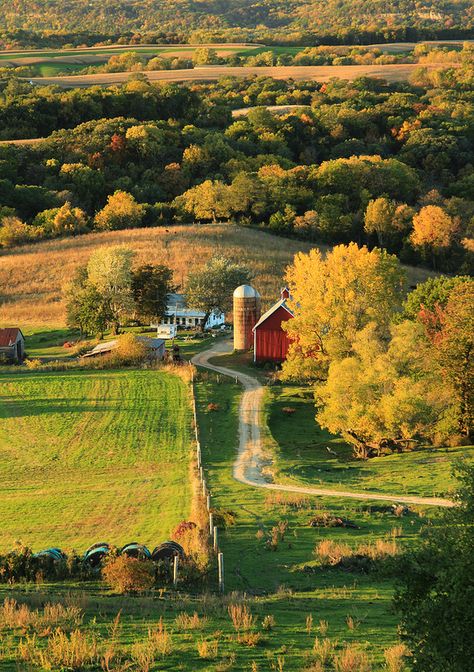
32, 277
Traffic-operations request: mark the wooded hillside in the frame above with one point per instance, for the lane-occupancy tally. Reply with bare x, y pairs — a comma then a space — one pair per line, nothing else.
279, 20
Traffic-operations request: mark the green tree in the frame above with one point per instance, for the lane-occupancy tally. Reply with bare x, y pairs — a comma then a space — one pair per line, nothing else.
454, 346
109, 271
151, 286
379, 217
435, 597
86, 308
383, 395
431, 295
211, 288
210, 200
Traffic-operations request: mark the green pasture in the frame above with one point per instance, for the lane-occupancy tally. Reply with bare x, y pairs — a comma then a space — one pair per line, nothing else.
287, 580
87, 456
302, 455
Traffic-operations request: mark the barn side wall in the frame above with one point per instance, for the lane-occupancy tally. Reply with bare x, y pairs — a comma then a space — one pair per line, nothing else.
271, 342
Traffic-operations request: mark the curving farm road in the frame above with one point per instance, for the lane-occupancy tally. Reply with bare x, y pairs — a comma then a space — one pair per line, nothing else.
249, 466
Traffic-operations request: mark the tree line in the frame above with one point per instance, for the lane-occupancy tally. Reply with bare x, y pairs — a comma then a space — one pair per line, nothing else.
364, 161
34, 22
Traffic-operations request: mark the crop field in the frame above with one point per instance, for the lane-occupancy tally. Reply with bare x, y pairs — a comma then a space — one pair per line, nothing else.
322, 73
32, 277
87, 456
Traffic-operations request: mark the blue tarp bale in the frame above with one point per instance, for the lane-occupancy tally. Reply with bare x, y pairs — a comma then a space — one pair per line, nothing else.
53, 553
167, 550
136, 550
96, 553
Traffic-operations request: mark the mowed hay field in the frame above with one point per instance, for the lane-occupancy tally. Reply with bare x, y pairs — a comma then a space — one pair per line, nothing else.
89, 456
32, 277
320, 73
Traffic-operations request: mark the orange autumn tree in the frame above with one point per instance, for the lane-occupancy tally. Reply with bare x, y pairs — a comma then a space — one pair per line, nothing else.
433, 230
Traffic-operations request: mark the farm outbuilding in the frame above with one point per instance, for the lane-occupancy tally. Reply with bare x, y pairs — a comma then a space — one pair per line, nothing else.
270, 340
12, 345
155, 347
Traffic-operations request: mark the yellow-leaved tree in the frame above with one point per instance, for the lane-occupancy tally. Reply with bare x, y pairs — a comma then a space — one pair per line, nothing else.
333, 298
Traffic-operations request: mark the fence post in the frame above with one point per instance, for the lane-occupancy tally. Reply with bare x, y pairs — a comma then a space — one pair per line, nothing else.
204, 489
175, 570
211, 525
220, 566
208, 501
216, 545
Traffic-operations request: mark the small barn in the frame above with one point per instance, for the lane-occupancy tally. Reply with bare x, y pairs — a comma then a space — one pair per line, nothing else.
12, 345
270, 340
154, 346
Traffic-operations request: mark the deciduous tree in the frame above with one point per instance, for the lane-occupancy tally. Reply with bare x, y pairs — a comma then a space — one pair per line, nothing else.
334, 297
211, 288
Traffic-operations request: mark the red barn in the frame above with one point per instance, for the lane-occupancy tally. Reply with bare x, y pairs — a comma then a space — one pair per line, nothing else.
270, 342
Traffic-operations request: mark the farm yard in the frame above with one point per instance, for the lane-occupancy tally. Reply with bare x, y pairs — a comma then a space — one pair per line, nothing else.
88, 455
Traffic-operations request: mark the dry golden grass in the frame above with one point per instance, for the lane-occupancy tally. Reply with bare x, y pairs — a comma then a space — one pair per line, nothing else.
321, 73
31, 277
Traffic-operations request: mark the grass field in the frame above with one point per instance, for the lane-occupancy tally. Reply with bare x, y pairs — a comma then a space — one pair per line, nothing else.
320, 73
91, 454
290, 591
304, 600
302, 457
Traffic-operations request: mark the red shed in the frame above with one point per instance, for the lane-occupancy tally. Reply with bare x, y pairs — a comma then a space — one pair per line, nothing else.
270, 342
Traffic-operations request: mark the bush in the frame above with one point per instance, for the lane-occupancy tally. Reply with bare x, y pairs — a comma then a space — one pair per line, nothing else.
129, 575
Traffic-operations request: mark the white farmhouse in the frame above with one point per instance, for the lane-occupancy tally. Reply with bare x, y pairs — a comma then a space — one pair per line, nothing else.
188, 318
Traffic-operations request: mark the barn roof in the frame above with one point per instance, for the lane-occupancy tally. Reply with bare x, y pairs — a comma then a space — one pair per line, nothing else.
282, 303
8, 336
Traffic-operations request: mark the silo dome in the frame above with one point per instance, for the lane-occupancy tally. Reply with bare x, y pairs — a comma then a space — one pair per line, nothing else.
246, 315
245, 292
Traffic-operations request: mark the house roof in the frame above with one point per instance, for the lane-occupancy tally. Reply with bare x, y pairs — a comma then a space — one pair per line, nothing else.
8, 337
282, 303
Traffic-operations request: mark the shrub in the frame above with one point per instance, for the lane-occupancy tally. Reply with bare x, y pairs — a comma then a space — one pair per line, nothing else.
185, 621
130, 351
14, 615
331, 552
72, 652
241, 616
268, 622
395, 658
208, 649
129, 575
352, 659
323, 650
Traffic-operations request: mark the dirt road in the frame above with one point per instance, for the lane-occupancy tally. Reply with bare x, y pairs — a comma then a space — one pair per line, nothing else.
251, 462
319, 73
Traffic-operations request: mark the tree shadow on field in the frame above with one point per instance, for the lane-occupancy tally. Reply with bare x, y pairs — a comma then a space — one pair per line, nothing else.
9, 408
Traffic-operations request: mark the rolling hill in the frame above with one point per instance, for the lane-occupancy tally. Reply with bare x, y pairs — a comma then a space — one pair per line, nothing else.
238, 17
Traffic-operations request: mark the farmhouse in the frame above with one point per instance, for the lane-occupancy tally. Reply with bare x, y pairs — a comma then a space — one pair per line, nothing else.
155, 347
12, 345
270, 340
188, 318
